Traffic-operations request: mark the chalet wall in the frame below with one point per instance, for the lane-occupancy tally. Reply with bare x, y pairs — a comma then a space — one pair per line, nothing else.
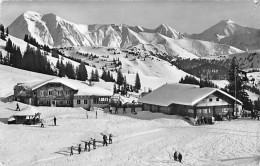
177, 109
81, 101
212, 100
57, 95
91, 101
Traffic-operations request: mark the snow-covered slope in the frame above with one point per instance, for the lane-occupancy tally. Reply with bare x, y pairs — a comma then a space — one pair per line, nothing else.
55, 31
142, 139
230, 33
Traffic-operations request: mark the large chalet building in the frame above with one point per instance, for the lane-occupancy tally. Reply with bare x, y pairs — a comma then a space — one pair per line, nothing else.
189, 100
62, 92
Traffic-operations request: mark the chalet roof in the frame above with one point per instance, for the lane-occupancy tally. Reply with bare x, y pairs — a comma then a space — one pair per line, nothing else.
184, 94
27, 111
82, 88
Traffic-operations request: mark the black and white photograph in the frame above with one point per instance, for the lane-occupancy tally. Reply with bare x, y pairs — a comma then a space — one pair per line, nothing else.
129, 82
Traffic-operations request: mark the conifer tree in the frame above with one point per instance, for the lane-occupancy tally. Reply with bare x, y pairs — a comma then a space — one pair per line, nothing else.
96, 75
92, 76
82, 72
104, 75
61, 69
2, 28
236, 86
137, 82
120, 78
125, 86
1, 57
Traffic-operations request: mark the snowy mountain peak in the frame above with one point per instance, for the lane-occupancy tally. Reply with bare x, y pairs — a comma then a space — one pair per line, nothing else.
168, 31
31, 14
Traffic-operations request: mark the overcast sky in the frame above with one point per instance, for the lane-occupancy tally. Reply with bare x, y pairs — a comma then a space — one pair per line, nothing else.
191, 16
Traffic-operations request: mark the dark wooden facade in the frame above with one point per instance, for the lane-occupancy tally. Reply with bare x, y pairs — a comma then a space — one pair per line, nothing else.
211, 106
54, 94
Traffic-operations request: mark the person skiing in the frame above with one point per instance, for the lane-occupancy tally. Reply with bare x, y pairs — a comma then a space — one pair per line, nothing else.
42, 125
71, 150
79, 149
86, 146
89, 142
110, 110
17, 107
175, 155
180, 157
94, 143
96, 114
124, 107
104, 140
110, 138
54, 119
133, 108
116, 109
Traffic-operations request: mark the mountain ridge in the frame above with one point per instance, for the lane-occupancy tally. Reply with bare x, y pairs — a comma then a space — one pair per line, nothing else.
53, 30
230, 33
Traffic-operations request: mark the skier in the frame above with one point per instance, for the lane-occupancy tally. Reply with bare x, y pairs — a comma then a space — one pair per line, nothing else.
124, 107
42, 125
86, 146
175, 155
94, 143
17, 107
180, 157
71, 150
133, 107
110, 138
116, 110
96, 114
79, 149
104, 140
87, 114
89, 145
54, 119
110, 110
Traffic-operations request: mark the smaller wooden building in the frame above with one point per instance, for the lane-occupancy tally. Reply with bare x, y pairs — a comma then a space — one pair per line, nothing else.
28, 115
189, 100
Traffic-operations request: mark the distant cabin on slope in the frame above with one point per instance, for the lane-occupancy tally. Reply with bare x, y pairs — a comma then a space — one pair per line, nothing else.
62, 92
189, 100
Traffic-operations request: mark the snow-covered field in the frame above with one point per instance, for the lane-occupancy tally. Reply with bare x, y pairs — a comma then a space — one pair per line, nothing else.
142, 139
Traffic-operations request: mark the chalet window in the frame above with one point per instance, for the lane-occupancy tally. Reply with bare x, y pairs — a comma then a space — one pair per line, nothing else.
50, 93
217, 99
205, 111
210, 99
85, 101
78, 101
190, 111
100, 100
42, 93
95, 100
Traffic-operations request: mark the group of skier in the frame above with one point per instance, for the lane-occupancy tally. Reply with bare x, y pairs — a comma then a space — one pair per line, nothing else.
93, 142
124, 106
177, 156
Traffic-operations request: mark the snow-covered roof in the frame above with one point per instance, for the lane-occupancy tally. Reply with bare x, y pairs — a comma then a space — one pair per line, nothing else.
184, 94
27, 111
82, 88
